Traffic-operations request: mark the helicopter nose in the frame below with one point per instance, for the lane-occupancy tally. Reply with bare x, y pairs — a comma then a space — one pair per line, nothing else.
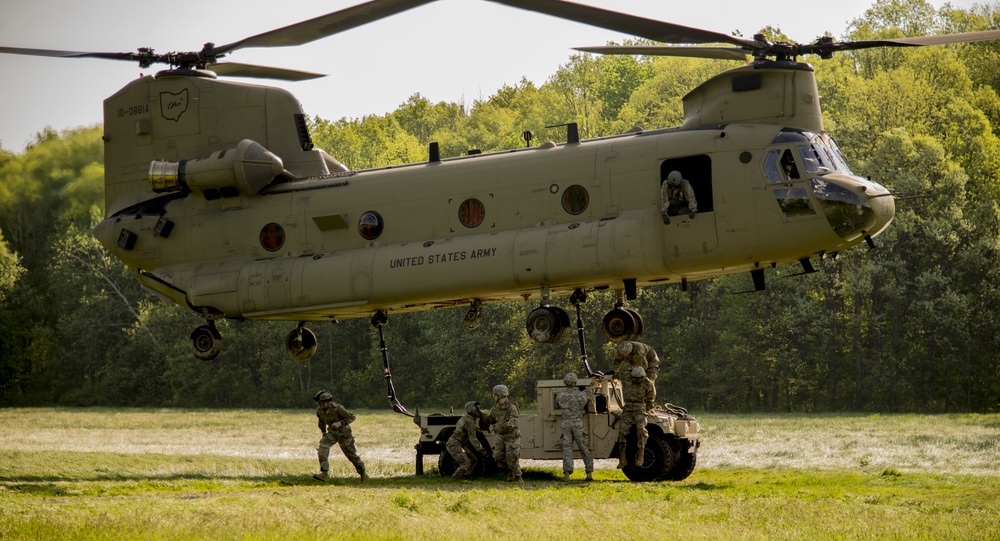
854, 207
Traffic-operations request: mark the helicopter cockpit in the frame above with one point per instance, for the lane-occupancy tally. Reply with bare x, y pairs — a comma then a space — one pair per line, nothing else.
808, 163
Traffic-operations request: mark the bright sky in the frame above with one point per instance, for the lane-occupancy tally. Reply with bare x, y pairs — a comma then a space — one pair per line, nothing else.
448, 50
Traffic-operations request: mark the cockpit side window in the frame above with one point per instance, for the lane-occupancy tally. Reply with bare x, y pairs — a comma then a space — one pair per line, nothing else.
779, 166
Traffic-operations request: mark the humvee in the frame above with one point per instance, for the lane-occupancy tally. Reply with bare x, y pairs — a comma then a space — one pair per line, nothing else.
670, 455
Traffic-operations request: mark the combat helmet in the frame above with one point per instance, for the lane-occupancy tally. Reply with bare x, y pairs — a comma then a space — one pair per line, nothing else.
638, 372
501, 390
471, 407
323, 396
675, 177
570, 379
625, 348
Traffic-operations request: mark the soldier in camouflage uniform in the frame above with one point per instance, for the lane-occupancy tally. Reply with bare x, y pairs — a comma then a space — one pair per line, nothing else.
640, 397
335, 424
635, 354
573, 403
463, 445
507, 446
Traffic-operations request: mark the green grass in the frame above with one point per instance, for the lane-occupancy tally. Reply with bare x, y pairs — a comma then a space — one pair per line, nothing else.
165, 474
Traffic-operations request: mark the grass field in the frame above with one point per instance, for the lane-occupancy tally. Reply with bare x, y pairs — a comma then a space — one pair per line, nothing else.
211, 474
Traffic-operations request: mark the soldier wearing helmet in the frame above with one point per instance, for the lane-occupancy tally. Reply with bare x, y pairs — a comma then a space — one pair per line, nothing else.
640, 397
677, 197
463, 445
573, 403
334, 423
630, 354
507, 446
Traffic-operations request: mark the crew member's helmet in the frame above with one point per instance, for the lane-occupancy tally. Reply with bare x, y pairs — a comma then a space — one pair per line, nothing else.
625, 348
675, 177
570, 379
323, 396
638, 372
501, 390
471, 407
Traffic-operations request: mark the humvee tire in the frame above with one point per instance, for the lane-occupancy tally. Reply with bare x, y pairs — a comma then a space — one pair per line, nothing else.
657, 460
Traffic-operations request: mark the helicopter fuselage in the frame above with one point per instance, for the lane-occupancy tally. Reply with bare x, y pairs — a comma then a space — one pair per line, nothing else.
227, 209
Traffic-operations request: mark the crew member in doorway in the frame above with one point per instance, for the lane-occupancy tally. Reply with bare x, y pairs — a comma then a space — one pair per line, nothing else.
677, 197
335, 424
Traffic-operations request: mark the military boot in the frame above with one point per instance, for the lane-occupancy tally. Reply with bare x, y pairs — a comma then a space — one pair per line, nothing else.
321, 476
565, 477
638, 458
364, 477
590, 477
621, 460
518, 480
510, 476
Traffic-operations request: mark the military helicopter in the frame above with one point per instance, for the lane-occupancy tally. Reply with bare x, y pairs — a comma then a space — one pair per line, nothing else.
217, 197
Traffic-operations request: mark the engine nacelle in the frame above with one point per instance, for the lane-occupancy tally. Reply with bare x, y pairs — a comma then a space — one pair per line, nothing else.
246, 169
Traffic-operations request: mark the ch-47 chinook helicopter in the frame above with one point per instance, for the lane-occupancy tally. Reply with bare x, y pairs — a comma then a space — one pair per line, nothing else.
217, 198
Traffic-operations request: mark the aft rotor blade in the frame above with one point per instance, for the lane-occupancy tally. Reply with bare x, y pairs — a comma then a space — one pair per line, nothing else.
942, 39
236, 69
324, 25
624, 23
719, 53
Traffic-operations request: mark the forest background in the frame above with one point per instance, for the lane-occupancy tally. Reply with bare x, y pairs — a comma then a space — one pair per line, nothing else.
912, 326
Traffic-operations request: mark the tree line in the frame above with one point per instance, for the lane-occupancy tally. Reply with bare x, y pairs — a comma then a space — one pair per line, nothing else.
911, 326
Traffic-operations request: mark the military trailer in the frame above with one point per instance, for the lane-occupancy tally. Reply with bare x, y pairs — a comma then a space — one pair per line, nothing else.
670, 455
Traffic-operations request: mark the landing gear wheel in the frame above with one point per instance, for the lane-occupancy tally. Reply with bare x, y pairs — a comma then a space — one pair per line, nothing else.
638, 324
657, 460
548, 325
301, 344
619, 325
206, 342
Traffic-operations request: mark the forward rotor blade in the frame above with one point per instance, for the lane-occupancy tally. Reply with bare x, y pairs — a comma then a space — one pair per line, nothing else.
68, 54
624, 23
718, 53
324, 25
235, 69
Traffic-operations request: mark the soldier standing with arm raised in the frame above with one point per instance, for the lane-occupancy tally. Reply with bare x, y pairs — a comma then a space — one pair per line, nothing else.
573, 403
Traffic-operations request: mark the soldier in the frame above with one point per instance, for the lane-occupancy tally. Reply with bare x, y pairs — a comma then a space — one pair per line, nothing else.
640, 397
335, 424
573, 403
507, 446
636, 354
463, 445
677, 197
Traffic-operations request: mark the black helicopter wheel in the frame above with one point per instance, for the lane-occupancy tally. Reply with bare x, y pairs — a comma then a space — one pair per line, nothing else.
548, 325
638, 324
206, 342
301, 343
619, 324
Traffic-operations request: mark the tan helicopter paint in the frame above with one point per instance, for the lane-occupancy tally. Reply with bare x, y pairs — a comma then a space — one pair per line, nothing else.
214, 260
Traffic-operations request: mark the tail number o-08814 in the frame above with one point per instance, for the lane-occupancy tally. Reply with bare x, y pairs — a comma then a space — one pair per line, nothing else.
133, 110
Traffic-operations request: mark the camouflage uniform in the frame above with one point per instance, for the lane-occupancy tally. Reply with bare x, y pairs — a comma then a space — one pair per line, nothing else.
640, 397
641, 355
573, 402
677, 196
463, 445
507, 446
328, 415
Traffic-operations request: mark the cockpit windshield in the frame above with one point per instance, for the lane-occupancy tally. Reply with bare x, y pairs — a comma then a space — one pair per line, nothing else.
817, 154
